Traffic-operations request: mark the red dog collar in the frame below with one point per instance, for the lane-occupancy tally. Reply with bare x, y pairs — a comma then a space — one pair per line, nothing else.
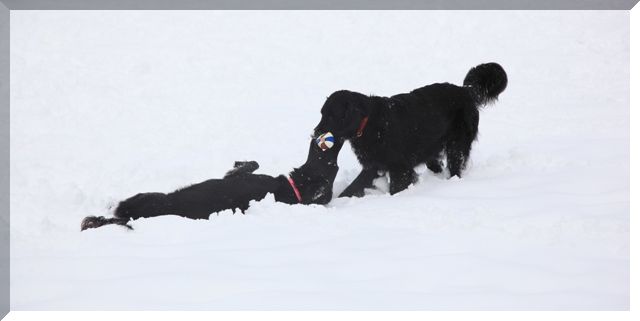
295, 189
363, 123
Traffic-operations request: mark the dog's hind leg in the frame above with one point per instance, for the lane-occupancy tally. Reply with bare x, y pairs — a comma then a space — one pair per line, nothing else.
458, 146
400, 179
456, 159
364, 180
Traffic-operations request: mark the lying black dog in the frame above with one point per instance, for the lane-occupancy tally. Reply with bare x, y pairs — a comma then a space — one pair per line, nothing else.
395, 134
311, 183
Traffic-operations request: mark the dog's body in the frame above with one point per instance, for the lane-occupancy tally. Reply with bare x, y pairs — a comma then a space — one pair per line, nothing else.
311, 183
395, 134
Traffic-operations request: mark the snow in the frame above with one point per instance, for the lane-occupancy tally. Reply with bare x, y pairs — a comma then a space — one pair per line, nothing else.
106, 104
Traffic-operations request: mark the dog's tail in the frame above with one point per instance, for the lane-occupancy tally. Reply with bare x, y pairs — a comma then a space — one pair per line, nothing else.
487, 82
97, 221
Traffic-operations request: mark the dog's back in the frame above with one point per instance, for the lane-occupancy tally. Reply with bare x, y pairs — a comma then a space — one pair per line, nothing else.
198, 201
436, 119
215, 195
421, 122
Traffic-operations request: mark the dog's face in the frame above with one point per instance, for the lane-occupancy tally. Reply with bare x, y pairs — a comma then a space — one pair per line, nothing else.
342, 114
323, 159
315, 177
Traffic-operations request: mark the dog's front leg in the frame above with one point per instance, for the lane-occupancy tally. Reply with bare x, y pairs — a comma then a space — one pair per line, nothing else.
400, 179
364, 180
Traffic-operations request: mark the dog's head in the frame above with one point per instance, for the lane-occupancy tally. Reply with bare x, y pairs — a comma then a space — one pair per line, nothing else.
342, 114
322, 163
316, 176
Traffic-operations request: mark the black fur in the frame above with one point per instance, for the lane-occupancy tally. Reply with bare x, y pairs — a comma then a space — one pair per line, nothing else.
405, 130
314, 179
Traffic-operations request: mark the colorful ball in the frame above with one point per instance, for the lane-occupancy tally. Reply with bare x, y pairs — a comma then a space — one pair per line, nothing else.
325, 141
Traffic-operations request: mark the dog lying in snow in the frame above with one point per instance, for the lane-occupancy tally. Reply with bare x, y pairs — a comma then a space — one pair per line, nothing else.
311, 183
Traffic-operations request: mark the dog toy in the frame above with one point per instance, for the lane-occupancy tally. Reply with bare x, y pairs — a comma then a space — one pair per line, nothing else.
325, 141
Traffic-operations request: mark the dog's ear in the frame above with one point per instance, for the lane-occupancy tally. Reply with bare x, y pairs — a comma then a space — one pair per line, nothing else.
342, 113
355, 109
352, 116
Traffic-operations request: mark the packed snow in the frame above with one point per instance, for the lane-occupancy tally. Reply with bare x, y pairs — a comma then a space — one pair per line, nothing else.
106, 104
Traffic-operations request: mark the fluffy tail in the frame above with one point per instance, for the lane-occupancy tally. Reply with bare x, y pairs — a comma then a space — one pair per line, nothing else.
97, 221
487, 81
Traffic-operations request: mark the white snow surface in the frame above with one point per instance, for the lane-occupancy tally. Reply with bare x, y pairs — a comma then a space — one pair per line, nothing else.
106, 104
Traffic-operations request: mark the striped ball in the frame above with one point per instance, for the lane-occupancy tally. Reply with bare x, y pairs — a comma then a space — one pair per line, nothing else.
325, 141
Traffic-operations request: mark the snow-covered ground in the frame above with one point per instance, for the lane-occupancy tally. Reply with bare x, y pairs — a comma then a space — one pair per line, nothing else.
108, 104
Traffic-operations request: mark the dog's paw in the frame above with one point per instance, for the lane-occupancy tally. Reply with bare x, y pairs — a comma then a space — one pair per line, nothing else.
243, 167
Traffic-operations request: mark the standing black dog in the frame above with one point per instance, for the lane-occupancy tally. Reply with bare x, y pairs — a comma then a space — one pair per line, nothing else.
311, 183
395, 134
